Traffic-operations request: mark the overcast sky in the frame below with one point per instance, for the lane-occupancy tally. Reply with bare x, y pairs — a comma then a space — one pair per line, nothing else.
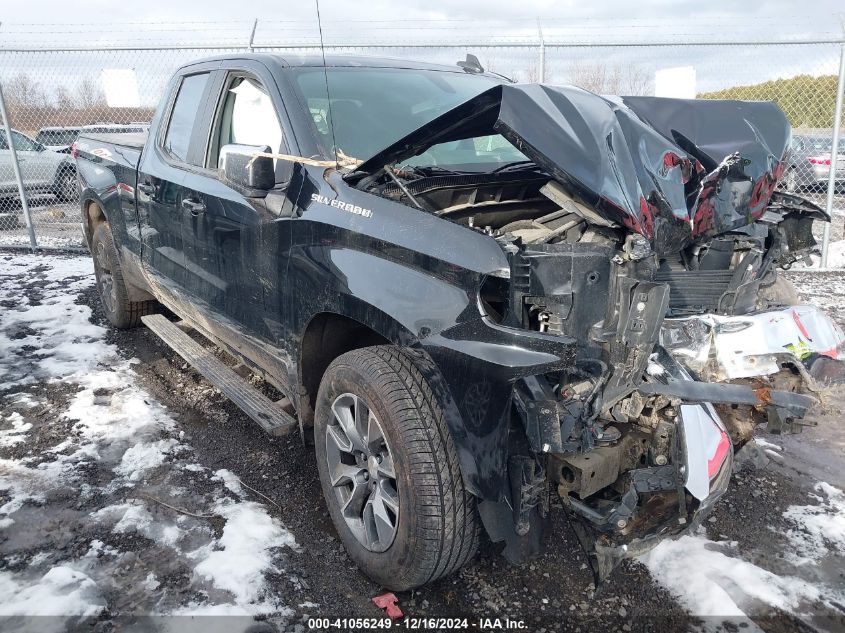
461, 24
647, 18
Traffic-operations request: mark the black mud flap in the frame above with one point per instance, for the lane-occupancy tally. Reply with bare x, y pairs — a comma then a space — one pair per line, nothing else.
520, 522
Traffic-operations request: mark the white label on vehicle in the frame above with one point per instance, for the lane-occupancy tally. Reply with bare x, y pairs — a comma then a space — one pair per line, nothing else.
343, 206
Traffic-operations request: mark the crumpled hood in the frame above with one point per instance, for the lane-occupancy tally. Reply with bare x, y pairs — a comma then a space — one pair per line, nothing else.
673, 170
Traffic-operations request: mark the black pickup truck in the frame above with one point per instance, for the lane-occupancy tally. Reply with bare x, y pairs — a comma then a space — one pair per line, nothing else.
470, 292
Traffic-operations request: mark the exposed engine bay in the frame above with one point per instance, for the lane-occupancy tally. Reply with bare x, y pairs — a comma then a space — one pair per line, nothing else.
659, 258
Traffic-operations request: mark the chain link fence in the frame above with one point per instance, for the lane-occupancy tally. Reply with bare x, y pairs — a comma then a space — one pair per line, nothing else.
53, 94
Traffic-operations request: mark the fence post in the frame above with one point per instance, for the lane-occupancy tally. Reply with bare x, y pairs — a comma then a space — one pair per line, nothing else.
252, 34
33, 243
834, 153
542, 73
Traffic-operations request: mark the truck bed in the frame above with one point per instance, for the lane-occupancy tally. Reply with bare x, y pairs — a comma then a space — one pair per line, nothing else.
135, 140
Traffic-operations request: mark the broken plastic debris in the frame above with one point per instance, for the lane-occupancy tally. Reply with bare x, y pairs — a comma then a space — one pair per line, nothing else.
390, 603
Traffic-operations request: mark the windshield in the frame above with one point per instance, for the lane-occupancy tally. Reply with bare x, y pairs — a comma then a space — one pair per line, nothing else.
375, 107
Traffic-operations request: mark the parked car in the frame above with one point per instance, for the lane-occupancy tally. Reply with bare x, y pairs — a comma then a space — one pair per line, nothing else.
42, 170
60, 139
57, 139
115, 128
810, 162
469, 292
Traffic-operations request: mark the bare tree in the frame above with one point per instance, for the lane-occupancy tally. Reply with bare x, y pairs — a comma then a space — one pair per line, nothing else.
89, 95
614, 79
63, 99
22, 91
531, 74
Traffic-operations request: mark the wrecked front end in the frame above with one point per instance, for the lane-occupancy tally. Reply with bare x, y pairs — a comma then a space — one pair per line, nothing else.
647, 232
733, 319
632, 442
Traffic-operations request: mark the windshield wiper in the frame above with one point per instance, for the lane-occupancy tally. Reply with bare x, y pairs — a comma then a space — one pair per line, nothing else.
515, 165
426, 170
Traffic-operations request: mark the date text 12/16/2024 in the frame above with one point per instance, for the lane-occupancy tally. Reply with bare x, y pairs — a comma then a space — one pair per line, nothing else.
418, 624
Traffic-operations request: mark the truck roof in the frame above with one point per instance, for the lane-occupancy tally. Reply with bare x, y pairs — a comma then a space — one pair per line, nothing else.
332, 61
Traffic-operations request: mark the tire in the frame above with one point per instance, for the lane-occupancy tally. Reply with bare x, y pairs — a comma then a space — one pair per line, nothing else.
435, 522
66, 188
120, 311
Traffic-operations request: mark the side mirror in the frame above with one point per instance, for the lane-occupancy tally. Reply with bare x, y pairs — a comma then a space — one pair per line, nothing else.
234, 164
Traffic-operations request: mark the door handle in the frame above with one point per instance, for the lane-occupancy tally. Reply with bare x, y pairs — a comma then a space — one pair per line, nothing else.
194, 206
146, 188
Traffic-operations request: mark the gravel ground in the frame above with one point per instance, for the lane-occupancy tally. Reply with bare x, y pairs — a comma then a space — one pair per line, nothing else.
130, 487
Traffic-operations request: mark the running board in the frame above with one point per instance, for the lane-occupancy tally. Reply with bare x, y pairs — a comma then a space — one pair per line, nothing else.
268, 415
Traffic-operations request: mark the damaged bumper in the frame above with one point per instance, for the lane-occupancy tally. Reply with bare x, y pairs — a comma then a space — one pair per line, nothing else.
671, 476
718, 348
795, 350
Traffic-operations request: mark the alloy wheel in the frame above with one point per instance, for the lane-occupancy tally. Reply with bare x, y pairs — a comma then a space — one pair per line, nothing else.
362, 473
68, 185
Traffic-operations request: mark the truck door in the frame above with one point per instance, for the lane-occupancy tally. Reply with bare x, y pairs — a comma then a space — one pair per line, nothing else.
224, 228
170, 156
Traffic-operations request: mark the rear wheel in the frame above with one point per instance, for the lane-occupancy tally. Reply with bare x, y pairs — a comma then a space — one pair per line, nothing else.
389, 470
120, 311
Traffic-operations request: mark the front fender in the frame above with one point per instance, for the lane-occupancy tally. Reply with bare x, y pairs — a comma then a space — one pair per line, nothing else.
479, 362
471, 362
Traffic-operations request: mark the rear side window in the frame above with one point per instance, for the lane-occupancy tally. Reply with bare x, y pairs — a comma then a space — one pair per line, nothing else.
23, 143
184, 115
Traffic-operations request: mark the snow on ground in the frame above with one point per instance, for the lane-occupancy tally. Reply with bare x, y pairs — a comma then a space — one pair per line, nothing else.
835, 256
817, 529
120, 518
115, 468
51, 337
715, 580
711, 580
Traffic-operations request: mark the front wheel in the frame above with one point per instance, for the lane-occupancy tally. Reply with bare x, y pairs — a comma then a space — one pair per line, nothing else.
389, 470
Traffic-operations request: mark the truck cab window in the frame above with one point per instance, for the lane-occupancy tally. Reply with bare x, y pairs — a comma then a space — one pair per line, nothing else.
247, 118
184, 116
